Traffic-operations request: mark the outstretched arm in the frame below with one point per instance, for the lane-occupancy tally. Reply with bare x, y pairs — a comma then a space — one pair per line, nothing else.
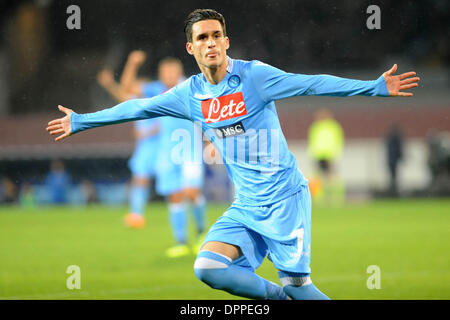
167, 104
274, 84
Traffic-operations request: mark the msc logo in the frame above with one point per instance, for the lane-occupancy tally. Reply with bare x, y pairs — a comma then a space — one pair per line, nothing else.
230, 130
224, 107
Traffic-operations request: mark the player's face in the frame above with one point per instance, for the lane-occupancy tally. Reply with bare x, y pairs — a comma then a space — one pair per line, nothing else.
209, 44
170, 74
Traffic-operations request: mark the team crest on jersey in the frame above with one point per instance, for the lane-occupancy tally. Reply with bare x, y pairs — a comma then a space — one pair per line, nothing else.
234, 81
224, 107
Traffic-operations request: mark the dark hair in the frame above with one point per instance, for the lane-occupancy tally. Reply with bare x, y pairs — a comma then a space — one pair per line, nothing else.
170, 60
200, 15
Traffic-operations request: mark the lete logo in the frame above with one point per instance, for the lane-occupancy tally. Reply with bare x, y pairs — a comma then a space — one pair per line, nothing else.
223, 108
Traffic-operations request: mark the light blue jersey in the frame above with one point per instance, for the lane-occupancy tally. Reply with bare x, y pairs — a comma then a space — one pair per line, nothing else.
181, 139
179, 145
153, 88
239, 116
144, 159
180, 162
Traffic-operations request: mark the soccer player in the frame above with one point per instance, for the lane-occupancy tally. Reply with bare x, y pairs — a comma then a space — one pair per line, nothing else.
325, 144
58, 182
234, 101
142, 163
179, 181
180, 175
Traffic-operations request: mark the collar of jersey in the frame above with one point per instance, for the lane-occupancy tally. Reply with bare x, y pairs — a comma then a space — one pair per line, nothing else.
220, 84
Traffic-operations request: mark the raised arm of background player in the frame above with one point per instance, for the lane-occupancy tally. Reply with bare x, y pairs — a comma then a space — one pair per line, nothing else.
127, 88
272, 84
128, 80
129, 83
106, 79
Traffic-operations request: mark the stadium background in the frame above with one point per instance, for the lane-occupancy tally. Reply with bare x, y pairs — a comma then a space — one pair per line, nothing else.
43, 64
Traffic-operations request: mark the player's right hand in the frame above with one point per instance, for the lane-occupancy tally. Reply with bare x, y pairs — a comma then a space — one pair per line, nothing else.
62, 125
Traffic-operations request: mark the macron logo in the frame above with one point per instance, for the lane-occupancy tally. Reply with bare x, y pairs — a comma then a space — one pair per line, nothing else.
223, 108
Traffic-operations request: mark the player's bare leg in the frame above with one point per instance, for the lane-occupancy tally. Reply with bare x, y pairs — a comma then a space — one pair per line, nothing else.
178, 222
231, 251
137, 201
198, 206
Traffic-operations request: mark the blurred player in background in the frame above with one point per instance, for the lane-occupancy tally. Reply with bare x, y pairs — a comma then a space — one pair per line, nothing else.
180, 179
325, 144
142, 163
394, 143
8, 191
179, 176
234, 100
57, 182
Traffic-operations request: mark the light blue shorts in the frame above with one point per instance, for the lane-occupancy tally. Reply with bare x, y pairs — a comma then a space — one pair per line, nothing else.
172, 178
143, 162
281, 230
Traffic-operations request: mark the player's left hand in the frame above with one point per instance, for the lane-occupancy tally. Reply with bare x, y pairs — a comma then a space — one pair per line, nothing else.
397, 84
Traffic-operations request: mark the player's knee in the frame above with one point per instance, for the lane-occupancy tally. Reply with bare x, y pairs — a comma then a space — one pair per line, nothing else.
210, 271
211, 277
140, 181
176, 197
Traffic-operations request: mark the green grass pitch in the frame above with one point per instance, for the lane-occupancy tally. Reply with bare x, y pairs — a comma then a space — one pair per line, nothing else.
408, 240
